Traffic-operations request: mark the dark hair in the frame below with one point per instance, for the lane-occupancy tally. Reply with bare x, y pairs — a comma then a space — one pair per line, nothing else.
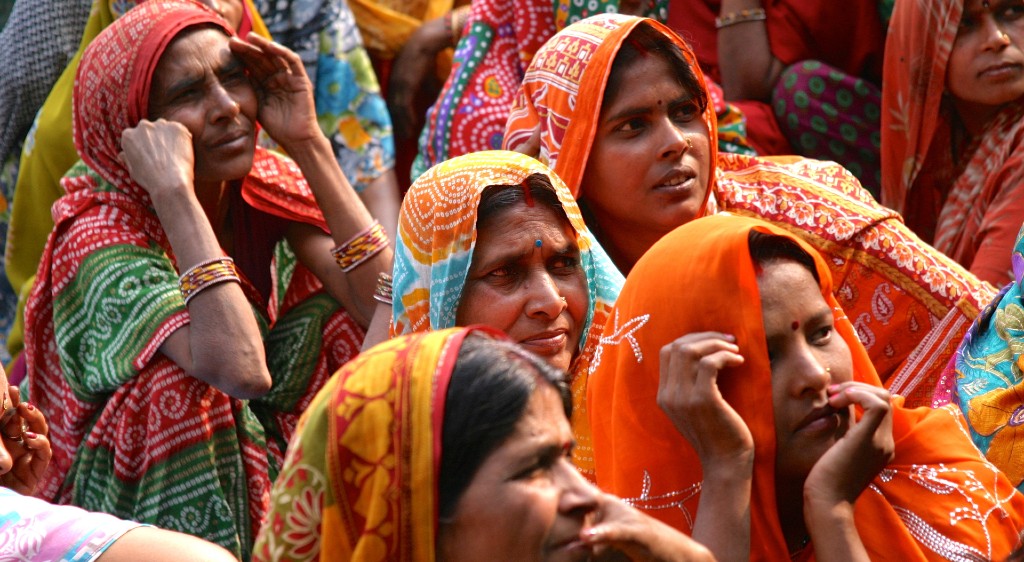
490, 386
644, 40
768, 248
496, 198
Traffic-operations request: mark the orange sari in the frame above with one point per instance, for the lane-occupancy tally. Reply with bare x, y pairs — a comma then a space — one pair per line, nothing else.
937, 499
969, 203
910, 304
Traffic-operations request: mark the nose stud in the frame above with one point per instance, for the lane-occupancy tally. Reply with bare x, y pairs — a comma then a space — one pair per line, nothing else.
689, 143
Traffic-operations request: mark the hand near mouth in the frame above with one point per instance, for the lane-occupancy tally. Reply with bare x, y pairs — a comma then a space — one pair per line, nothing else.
621, 532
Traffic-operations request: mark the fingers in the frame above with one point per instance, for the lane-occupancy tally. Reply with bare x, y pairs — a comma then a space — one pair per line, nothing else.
265, 57
35, 421
531, 146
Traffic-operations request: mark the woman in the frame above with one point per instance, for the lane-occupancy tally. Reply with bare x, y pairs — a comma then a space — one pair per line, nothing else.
985, 379
648, 163
458, 452
800, 450
806, 74
495, 238
951, 128
170, 374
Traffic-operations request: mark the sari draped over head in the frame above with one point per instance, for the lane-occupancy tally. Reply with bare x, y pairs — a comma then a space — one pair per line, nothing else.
909, 303
937, 499
967, 201
437, 235
49, 152
133, 434
986, 379
361, 478
497, 44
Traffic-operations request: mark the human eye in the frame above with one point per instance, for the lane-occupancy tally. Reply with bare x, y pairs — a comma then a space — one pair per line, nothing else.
968, 22
686, 111
567, 263
632, 125
823, 335
1012, 11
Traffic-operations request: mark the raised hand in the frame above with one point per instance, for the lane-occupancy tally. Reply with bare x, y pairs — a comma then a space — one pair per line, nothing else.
24, 448
159, 156
688, 394
621, 532
287, 109
842, 473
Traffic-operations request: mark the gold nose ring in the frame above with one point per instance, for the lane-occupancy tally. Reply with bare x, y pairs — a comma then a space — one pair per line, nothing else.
689, 143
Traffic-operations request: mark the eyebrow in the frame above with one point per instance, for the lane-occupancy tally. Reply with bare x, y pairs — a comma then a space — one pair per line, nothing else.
641, 110
233, 64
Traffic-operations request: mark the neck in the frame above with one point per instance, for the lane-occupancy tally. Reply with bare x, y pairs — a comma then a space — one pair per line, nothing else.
789, 501
211, 198
624, 245
975, 117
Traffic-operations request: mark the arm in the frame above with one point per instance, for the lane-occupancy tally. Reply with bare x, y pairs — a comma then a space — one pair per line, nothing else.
161, 545
688, 394
380, 327
383, 199
222, 345
749, 69
842, 473
288, 112
413, 68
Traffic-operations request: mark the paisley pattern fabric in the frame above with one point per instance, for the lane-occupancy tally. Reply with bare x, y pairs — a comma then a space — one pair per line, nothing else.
910, 304
968, 200
437, 235
360, 480
938, 499
132, 433
986, 380
498, 43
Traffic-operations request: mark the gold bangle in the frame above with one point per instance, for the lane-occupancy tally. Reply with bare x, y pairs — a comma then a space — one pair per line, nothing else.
733, 18
361, 247
206, 274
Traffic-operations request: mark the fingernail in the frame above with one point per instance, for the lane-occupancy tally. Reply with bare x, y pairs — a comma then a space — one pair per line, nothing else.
832, 388
730, 337
31, 435
29, 406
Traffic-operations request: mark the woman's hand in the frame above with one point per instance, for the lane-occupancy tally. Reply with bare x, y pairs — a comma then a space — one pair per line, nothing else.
412, 73
621, 532
286, 106
24, 447
842, 473
688, 394
159, 157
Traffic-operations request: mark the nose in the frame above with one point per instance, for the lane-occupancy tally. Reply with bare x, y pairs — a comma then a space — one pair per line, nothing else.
544, 298
674, 139
813, 375
578, 497
223, 104
995, 38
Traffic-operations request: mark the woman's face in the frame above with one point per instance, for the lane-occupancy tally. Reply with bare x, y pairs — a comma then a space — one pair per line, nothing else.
526, 279
527, 501
201, 84
807, 355
986, 66
648, 168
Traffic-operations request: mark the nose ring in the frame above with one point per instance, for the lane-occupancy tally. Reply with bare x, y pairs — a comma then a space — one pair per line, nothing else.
564, 301
689, 143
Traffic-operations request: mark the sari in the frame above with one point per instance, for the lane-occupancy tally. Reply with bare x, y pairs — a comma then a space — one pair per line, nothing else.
437, 236
910, 304
361, 478
49, 152
31, 529
132, 433
985, 380
938, 499
969, 203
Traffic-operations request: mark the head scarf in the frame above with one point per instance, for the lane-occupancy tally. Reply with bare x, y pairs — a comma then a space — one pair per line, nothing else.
361, 478
988, 380
437, 235
936, 479
567, 79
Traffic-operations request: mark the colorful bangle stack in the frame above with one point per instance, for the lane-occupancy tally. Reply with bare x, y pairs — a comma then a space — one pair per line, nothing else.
383, 294
733, 18
361, 247
206, 274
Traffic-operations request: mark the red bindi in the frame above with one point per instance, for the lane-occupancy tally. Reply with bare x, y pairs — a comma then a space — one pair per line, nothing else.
795, 325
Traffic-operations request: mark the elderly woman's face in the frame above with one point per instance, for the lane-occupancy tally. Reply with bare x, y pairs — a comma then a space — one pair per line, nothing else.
526, 279
201, 84
527, 501
649, 164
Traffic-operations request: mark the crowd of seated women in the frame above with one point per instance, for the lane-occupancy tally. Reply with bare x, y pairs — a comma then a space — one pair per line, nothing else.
622, 313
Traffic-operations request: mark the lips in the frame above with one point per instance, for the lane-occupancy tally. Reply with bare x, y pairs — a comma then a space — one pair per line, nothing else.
549, 342
821, 418
1000, 69
677, 179
232, 139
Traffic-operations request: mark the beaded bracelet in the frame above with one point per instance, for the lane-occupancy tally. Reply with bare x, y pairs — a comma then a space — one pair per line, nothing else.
361, 247
383, 294
206, 274
733, 18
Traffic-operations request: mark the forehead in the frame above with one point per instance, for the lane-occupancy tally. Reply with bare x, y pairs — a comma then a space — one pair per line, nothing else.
788, 290
519, 219
197, 45
649, 69
544, 418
